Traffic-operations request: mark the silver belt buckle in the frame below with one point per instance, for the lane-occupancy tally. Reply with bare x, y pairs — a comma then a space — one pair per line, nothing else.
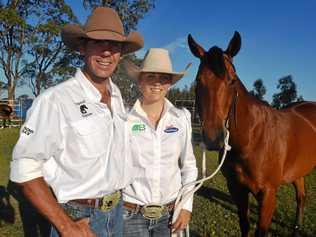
152, 211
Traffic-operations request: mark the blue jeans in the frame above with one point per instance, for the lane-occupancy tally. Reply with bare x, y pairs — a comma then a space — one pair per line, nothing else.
103, 224
135, 225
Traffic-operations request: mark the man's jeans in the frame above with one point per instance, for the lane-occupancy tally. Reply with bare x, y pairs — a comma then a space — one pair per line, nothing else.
135, 225
103, 224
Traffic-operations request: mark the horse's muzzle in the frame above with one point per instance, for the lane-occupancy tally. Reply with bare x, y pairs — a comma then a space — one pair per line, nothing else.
214, 144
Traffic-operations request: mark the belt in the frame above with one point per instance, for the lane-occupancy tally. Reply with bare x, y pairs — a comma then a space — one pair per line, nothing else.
105, 203
150, 211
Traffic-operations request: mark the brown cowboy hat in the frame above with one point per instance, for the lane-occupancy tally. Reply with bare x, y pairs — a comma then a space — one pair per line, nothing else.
103, 24
156, 60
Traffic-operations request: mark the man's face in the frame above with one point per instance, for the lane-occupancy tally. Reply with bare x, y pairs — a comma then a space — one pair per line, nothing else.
154, 86
101, 58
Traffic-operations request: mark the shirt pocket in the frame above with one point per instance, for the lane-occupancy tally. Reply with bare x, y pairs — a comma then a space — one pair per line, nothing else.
91, 137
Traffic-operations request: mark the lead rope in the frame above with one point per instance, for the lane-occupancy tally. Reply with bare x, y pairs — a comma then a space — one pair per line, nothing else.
183, 196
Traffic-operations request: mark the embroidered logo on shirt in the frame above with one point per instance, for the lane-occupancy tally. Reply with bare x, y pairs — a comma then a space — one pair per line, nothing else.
27, 131
84, 110
138, 127
171, 129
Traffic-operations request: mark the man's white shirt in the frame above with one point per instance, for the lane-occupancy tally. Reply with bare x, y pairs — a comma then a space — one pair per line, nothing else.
164, 156
75, 142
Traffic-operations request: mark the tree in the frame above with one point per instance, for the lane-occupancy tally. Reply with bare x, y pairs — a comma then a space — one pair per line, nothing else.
30, 43
287, 94
129, 11
259, 90
2, 88
128, 86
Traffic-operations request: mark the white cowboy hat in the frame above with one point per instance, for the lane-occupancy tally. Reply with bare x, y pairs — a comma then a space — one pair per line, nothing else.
103, 24
156, 60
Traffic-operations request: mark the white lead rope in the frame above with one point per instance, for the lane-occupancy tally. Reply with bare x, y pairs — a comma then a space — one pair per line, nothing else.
184, 196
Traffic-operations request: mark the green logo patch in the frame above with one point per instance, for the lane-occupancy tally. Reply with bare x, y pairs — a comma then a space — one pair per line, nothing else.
138, 127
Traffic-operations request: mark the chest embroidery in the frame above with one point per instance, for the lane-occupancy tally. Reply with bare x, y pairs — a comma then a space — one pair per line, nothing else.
171, 129
138, 127
84, 110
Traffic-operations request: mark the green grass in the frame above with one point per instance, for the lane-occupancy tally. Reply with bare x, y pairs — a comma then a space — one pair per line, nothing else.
8, 138
213, 213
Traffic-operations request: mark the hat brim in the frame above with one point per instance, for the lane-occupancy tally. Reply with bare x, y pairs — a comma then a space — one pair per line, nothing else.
134, 72
72, 35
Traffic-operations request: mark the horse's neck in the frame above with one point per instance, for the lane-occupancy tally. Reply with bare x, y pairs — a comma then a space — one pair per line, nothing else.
248, 112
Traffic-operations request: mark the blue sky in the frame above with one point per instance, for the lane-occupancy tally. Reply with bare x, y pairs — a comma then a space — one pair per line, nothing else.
278, 37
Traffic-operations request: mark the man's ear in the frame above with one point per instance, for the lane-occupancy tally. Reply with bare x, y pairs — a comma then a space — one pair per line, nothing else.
82, 47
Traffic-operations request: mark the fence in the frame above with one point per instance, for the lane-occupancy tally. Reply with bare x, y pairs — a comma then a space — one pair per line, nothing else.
195, 119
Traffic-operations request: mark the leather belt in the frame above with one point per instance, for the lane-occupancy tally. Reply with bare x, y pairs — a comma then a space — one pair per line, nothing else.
105, 203
150, 211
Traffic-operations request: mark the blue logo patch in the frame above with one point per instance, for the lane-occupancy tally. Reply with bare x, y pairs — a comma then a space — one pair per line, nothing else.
171, 130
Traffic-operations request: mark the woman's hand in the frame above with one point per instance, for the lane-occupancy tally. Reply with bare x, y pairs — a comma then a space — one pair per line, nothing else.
182, 221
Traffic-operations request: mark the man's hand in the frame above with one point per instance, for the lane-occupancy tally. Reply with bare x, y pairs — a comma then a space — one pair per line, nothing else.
79, 229
182, 221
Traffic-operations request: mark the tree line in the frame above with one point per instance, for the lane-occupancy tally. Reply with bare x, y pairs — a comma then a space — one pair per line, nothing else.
285, 95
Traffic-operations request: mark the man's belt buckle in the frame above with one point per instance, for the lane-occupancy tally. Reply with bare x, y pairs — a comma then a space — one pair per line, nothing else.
152, 211
110, 201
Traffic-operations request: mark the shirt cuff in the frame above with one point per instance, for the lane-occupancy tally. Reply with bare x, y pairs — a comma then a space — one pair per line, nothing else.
25, 169
188, 204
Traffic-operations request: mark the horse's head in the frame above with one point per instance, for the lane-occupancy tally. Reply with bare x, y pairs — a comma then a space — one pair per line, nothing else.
215, 92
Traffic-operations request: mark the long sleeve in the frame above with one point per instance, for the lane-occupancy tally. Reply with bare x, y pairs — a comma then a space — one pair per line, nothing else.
188, 162
40, 138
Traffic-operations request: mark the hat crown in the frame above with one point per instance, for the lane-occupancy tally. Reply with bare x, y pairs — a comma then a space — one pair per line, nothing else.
157, 60
104, 19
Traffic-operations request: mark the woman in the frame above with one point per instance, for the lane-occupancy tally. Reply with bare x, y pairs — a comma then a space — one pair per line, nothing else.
161, 150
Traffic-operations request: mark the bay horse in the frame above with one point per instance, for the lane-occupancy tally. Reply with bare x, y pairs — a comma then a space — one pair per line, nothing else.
5, 114
269, 147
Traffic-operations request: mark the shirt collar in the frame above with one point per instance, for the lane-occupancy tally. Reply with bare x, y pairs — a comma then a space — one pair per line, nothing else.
90, 90
168, 107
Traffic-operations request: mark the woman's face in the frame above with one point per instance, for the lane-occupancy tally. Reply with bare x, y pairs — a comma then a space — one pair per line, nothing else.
154, 86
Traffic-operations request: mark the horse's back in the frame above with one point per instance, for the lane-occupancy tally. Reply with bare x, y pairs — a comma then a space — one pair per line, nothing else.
306, 110
5, 110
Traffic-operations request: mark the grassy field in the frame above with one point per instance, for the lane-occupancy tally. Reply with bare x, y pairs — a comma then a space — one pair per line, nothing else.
213, 214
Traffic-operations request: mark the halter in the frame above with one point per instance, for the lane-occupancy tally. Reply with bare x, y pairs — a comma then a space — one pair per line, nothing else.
233, 105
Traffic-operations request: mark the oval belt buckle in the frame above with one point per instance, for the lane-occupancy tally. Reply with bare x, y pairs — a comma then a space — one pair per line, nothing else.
152, 211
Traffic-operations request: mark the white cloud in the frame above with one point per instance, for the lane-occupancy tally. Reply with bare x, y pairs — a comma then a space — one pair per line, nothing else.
180, 42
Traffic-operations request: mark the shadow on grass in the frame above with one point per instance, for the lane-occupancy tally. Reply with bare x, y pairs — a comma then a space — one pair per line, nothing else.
7, 213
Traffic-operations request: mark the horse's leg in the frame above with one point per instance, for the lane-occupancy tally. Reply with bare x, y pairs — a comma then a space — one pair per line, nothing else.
241, 199
267, 204
300, 199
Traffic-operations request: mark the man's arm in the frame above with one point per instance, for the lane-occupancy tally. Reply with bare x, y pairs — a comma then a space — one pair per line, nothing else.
37, 191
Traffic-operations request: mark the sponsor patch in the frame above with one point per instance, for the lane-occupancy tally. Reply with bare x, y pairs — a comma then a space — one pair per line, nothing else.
84, 110
138, 127
171, 129
27, 131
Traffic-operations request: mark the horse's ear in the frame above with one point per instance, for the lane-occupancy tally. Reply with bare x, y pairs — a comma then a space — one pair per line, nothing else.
234, 45
195, 48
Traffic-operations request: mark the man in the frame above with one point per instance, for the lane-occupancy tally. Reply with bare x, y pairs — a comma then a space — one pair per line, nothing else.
74, 138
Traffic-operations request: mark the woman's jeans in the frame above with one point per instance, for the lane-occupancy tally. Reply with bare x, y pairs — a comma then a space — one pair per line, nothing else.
136, 225
103, 224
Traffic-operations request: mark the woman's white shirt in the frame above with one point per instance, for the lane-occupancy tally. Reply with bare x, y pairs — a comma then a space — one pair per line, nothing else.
163, 156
